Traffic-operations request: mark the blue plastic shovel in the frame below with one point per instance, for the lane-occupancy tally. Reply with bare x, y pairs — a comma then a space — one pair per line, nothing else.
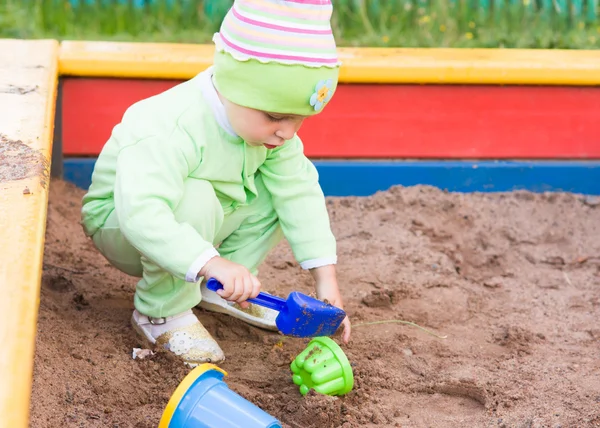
299, 315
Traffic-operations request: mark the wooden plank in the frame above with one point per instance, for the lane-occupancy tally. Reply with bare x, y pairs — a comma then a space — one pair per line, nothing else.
87, 100
387, 121
366, 178
28, 78
139, 60
360, 65
360, 178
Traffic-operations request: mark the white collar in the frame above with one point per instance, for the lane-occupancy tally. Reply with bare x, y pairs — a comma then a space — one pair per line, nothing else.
212, 97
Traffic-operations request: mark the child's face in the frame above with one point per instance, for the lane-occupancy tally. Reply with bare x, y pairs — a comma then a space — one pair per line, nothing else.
259, 128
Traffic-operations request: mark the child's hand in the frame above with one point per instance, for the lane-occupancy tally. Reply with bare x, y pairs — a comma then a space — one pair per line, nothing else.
239, 284
328, 289
331, 293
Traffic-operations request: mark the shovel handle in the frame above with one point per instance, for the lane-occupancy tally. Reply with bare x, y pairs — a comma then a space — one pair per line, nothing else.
263, 299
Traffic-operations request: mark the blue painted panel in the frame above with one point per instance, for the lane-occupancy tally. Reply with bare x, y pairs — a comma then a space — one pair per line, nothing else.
79, 171
344, 178
365, 178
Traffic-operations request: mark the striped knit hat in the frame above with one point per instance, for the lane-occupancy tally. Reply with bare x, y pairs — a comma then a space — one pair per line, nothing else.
277, 55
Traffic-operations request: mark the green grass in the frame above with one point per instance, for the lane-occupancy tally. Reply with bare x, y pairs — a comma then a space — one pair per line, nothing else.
394, 23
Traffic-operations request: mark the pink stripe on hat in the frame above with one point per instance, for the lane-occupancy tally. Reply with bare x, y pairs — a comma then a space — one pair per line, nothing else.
277, 56
305, 18
277, 27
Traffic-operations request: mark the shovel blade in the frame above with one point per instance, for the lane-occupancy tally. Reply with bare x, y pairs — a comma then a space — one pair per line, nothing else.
309, 317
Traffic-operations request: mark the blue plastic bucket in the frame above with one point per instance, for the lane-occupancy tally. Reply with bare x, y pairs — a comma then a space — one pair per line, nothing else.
203, 400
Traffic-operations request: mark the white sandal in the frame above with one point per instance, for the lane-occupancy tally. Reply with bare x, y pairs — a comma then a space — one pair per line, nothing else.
181, 334
255, 315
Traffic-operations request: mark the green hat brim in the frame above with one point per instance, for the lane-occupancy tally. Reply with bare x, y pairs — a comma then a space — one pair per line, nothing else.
273, 87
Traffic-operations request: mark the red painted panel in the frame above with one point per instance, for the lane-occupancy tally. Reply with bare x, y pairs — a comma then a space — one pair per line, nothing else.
388, 121
92, 107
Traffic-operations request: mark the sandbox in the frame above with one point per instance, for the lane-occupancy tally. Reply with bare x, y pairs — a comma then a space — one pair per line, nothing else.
512, 279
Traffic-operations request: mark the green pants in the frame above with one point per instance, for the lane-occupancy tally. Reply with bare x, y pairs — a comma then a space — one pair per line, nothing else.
244, 235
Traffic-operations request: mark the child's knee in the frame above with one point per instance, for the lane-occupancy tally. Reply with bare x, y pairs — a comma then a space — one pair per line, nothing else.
111, 243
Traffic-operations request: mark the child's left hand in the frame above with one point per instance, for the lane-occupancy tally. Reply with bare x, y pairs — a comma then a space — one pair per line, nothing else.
327, 289
331, 293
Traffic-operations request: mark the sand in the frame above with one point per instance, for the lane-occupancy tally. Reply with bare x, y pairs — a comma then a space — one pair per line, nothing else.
512, 279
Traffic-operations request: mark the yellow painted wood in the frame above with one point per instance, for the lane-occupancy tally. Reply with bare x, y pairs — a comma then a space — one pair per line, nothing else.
360, 65
471, 66
28, 79
136, 60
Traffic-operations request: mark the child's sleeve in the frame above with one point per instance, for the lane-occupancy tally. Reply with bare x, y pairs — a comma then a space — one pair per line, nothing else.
149, 185
293, 182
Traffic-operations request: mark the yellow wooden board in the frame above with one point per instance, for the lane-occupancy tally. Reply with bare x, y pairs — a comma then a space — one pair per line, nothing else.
360, 65
471, 66
28, 78
137, 60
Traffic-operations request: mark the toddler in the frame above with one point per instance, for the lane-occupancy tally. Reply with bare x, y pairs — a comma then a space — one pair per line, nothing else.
203, 180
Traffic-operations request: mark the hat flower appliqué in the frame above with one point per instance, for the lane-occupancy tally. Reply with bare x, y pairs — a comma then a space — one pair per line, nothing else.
322, 95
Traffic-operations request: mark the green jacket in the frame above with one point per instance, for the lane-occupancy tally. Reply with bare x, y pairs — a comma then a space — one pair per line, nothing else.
184, 133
